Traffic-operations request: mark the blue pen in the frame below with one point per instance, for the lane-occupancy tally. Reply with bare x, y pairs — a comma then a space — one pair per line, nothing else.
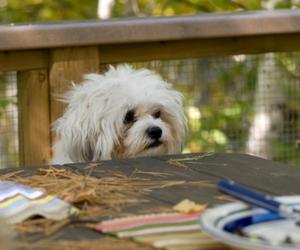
261, 200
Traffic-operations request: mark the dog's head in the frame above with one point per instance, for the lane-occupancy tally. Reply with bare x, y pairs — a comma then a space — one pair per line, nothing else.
121, 114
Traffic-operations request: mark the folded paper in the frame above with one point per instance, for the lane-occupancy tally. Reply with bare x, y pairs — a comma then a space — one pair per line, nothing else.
19, 202
171, 231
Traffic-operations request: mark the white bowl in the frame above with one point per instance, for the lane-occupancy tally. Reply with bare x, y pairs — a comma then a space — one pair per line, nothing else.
215, 221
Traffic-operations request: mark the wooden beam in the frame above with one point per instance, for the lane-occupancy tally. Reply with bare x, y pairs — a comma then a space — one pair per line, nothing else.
198, 48
67, 66
151, 29
33, 103
23, 60
120, 53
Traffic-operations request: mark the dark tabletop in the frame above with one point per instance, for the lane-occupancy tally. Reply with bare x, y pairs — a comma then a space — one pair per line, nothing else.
264, 175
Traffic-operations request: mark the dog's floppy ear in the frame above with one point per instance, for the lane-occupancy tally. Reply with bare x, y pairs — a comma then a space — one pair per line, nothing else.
107, 138
73, 138
82, 140
86, 131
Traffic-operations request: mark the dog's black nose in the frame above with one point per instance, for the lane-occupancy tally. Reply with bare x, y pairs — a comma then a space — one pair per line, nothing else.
154, 132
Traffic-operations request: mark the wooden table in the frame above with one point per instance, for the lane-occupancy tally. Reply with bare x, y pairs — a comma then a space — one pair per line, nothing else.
264, 175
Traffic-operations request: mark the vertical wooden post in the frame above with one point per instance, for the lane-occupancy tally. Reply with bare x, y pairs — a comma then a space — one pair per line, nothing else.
68, 65
33, 102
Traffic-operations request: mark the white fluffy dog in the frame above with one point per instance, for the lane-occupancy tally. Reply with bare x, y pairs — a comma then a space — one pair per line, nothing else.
123, 113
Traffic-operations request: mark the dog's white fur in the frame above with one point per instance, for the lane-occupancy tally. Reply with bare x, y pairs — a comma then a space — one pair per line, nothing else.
93, 126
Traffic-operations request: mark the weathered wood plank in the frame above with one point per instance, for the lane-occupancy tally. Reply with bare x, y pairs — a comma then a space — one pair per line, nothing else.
34, 125
24, 60
152, 29
198, 48
25, 47
68, 65
265, 175
146, 51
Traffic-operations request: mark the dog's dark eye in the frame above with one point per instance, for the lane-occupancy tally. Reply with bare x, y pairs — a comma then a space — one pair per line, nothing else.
157, 114
129, 117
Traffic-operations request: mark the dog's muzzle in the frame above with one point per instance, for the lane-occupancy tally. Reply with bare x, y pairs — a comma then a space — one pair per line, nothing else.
154, 133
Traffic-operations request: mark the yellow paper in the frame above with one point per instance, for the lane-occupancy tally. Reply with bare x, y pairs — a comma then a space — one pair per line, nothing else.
187, 206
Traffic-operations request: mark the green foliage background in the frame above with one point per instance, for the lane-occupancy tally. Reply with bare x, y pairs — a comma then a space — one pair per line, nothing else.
222, 122
12, 11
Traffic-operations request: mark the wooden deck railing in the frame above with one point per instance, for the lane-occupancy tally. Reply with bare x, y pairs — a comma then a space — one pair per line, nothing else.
48, 56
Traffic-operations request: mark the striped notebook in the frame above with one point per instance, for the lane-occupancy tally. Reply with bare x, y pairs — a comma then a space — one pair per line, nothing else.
171, 231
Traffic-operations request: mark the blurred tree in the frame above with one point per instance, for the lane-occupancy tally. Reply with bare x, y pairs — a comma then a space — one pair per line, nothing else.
54, 10
269, 99
105, 8
268, 102
47, 10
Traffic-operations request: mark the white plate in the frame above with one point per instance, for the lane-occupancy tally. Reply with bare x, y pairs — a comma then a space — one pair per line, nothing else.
215, 220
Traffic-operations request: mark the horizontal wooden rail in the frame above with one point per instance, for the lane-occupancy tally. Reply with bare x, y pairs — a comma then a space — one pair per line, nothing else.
152, 38
66, 34
194, 48
198, 48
